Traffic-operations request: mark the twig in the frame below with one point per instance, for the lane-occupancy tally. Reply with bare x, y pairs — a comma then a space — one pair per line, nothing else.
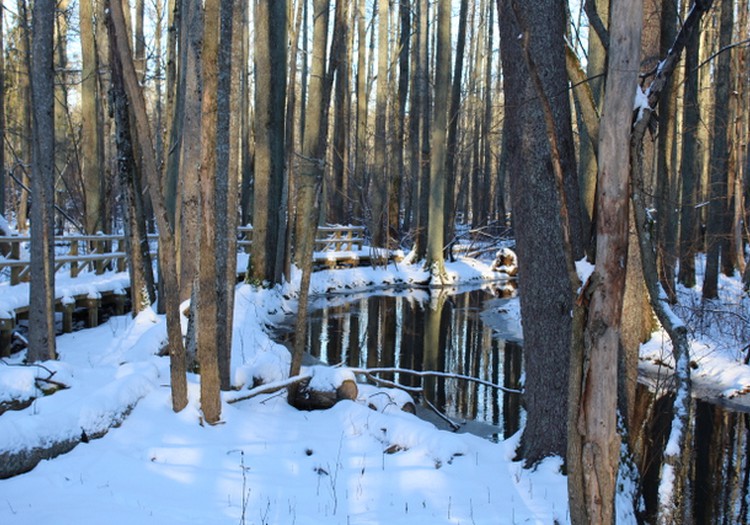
435, 373
268, 388
442, 416
385, 382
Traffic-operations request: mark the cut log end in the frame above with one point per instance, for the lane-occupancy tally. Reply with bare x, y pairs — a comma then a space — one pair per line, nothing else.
310, 399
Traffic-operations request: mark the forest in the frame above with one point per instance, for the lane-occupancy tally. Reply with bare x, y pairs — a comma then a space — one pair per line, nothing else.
602, 134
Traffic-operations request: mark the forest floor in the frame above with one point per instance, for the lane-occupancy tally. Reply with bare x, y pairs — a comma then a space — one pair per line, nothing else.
268, 463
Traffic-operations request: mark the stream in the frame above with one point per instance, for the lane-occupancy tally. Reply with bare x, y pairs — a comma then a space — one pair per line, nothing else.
474, 332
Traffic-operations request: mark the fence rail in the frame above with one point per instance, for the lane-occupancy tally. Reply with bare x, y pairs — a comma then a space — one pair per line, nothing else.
334, 246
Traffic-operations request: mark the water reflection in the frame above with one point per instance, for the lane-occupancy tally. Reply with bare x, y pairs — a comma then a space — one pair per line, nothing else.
443, 331
718, 476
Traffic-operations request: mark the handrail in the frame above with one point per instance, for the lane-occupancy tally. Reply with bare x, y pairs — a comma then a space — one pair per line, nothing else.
98, 251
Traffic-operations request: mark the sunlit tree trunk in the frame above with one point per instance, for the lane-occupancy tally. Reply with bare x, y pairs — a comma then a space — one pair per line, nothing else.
42, 287
435, 231
379, 194
600, 446
24, 87
91, 166
690, 168
717, 241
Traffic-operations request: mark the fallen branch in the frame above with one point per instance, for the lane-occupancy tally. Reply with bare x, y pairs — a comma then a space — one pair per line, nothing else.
435, 373
268, 388
442, 416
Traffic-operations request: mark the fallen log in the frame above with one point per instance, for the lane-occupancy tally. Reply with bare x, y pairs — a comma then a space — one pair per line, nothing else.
15, 462
315, 398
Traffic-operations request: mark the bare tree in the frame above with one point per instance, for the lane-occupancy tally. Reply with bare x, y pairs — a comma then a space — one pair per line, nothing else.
540, 211
42, 288
717, 230
122, 60
597, 422
435, 230
91, 155
269, 224
310, 178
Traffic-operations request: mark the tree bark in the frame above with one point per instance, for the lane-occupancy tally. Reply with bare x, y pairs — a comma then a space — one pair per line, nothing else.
187, 221
597, 422
140, 269
537, 196
42, 287
675, 463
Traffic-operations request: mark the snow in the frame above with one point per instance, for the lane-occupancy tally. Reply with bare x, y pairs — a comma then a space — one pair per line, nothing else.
640, 103
360, 462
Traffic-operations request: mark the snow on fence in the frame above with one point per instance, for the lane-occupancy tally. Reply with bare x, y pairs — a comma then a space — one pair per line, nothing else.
90, 270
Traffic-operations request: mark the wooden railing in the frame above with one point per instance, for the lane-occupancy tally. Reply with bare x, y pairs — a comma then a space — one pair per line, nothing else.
97, 253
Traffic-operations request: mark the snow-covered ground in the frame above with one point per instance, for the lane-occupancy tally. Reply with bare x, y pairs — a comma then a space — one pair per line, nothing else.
267, 463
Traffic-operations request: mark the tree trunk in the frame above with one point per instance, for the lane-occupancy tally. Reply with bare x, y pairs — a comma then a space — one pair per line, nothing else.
140, 268
544, 272
309, 180
438, 132
210, 260
23, 79
667, 192
379, 187
42, 287
596, 72
675, 465
269, 159
453, 119
187, 222
597, 421
339, 197
122, 62
690, 168
3, 171
717, 239
91, 168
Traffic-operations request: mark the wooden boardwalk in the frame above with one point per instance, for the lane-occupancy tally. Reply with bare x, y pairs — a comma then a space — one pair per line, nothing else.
91, 271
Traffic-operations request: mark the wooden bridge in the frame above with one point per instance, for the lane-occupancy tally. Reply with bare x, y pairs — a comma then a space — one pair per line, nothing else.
90, 271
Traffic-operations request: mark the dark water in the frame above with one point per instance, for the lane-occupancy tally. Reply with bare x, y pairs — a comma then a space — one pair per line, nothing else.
438, 331
465, 332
